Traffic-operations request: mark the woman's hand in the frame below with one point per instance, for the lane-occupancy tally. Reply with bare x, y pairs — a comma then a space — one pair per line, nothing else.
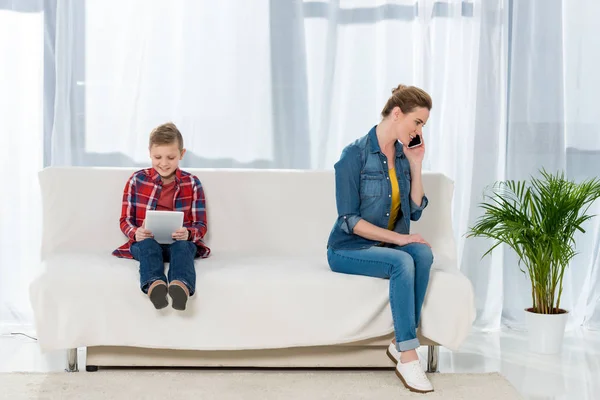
407, 239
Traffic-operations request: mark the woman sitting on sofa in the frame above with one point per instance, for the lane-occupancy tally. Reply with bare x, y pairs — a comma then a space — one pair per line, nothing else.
378, 192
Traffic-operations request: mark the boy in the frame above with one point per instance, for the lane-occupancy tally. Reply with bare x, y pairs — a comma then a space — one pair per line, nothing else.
168, 188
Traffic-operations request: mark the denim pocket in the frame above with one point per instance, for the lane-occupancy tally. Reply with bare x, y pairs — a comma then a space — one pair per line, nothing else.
371, 184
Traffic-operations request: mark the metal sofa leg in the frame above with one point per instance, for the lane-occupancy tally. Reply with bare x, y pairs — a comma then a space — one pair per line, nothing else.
72, 361
433, 355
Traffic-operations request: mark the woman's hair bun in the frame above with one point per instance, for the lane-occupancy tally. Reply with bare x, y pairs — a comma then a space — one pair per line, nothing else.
399, 89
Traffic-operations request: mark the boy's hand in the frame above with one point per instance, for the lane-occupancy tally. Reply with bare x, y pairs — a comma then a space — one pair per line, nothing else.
142, 233
181, 234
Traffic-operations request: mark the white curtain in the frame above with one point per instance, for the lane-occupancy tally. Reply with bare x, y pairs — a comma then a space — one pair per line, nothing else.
287, 84
553, 123
21, 156
581, 55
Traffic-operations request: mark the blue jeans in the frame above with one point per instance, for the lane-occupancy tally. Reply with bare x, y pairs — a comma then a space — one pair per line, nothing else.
407, 267
152, 257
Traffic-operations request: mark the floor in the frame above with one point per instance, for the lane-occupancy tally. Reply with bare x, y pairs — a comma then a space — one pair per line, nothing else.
570, 375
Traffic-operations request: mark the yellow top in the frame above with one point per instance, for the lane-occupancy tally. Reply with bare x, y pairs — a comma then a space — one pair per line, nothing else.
395, 199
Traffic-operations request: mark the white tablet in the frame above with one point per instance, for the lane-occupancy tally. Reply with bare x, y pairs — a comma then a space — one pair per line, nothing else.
162, 224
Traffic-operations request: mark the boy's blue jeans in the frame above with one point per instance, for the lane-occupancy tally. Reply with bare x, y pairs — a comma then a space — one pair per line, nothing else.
152, 257
407, 267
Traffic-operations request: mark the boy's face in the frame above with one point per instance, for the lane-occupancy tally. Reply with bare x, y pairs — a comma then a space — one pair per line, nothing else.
165, 158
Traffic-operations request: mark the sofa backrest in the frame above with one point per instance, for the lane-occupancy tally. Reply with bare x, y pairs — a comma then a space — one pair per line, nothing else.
253, 212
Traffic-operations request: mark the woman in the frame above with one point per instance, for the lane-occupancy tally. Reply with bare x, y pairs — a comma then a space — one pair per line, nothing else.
378, 192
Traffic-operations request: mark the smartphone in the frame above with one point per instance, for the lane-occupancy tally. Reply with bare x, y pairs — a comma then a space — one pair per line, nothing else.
415, 142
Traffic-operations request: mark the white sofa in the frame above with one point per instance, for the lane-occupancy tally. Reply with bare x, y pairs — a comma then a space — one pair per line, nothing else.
265, 296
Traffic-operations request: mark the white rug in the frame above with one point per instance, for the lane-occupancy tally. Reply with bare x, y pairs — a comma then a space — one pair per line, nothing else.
245, 384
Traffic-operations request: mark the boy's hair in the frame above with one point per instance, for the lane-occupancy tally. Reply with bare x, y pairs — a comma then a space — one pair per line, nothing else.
166, 134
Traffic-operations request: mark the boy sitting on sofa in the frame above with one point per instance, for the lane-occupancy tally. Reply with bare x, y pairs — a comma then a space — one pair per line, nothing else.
164, 187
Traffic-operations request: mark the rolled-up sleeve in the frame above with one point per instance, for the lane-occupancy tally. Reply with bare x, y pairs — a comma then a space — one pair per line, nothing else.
347, 189
415, 210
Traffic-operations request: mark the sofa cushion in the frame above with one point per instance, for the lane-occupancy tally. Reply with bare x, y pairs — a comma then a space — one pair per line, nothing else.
250, 212
241, 302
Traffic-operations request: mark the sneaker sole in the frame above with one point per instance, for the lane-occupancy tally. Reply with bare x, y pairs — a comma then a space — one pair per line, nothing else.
179, 297
412, 389
158, 296
391, 357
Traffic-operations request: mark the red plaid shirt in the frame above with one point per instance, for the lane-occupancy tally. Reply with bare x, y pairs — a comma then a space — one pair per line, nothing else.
142, 192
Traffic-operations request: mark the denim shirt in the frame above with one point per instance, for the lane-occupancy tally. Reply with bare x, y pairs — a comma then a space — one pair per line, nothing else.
363, 191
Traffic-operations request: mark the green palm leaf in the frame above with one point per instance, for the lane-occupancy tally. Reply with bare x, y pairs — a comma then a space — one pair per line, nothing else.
538, 220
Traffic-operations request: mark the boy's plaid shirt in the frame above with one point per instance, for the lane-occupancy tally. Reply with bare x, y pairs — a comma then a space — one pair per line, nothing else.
141, 193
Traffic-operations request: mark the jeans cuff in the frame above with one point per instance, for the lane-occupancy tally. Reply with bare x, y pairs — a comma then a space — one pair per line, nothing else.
407, 345
146, 285
190, 288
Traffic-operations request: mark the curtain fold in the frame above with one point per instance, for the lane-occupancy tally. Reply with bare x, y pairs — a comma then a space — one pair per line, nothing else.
21, 155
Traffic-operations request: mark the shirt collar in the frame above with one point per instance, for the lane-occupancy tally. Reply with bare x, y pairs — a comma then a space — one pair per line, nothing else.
374, 143
155, 176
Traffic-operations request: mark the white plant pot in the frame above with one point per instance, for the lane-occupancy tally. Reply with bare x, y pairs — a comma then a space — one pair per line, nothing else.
546, 331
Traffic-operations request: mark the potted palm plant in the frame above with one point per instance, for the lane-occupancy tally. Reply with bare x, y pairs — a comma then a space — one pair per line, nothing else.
538, 220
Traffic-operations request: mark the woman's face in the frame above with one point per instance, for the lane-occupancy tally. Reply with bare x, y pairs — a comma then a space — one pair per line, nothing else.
408, 125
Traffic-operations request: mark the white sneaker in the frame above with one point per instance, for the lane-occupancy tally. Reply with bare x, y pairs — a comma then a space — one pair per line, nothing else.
413, 377
393, 353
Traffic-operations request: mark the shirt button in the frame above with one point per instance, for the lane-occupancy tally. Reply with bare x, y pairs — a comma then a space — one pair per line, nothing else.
385, 162
387, 215
390, 195
388, 178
